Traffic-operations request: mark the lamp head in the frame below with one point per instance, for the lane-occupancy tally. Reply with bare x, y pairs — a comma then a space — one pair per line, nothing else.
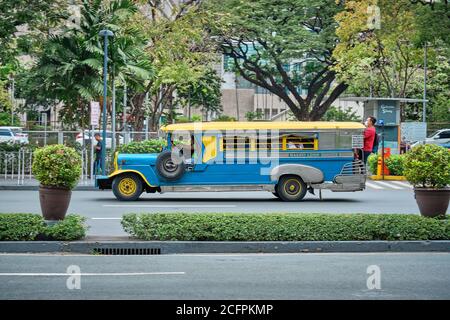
106, 33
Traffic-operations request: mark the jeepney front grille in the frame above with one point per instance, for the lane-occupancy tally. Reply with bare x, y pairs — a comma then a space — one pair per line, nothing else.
126, 251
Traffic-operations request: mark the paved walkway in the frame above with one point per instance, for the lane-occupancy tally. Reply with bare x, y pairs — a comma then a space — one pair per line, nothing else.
33, 184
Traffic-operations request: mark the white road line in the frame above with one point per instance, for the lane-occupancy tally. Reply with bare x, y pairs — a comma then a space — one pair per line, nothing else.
89, 274
373, 186
403, 184
167, 206
389, 185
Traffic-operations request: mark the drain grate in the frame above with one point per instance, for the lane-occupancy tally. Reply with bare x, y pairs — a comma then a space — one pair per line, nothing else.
127, 251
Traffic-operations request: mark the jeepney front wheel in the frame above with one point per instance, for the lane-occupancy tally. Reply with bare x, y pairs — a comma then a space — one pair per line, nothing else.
291, 188
127, 187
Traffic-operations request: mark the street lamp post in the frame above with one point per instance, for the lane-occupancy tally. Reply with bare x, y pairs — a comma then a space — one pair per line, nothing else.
425, 62
105, 34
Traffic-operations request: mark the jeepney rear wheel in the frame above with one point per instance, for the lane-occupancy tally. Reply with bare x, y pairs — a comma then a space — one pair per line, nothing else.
127, 187
291, 188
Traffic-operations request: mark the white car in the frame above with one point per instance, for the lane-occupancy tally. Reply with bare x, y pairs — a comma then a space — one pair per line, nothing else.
13, 135
440, 137
79, 138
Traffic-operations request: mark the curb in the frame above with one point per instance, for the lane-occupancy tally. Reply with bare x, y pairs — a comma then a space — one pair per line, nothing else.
183, 247
391, 178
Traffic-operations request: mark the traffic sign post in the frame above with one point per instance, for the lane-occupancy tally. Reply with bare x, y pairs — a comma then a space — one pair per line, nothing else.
381, 123
95, 119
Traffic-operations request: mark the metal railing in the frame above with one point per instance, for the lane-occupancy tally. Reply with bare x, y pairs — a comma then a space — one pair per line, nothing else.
43, 138
17, 166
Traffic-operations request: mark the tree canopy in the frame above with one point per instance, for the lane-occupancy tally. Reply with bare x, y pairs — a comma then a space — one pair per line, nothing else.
284, 47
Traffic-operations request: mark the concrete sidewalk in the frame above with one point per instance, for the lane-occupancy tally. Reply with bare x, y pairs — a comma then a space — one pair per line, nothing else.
33, 184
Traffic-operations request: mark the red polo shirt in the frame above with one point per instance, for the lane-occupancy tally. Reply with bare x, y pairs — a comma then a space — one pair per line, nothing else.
369, 137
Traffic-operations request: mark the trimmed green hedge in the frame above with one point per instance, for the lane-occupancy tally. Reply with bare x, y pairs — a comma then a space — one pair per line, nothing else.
284, 227
28, 227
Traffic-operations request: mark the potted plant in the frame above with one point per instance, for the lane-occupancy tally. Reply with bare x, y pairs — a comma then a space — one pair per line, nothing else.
58, 169
427, 167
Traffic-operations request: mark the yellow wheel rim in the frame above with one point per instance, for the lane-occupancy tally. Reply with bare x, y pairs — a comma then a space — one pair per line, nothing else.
127, 186
292, 187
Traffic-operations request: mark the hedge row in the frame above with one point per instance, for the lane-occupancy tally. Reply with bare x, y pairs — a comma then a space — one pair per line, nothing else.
395, 163
284, 227
28, 227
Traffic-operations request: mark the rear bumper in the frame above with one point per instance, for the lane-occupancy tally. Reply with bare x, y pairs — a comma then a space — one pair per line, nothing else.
103, 182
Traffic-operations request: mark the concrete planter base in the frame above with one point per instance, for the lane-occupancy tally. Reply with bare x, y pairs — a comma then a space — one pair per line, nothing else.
389, 178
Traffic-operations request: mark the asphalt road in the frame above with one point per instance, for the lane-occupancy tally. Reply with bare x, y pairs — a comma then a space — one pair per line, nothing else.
240, 276
104, 211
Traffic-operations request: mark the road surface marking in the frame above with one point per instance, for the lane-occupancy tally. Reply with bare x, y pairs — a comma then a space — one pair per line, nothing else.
90, 274
389, 185
167, 206
404, 184
374, 186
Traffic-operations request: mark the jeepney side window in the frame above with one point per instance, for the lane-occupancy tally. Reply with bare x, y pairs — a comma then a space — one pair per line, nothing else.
300, 141
267, 142
344, 139
232, 143
328, 140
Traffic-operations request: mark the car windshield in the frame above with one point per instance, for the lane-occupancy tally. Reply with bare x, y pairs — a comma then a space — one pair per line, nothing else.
433, 134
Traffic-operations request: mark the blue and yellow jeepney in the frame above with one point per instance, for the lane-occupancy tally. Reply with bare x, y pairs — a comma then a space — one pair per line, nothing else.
285, 158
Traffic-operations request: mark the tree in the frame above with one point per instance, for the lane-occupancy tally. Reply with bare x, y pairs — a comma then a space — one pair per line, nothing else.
439, 88
36, 14
380, 50
383, 57
336, 114
283, 46
251, 116
69, 68
203, 93
181, 53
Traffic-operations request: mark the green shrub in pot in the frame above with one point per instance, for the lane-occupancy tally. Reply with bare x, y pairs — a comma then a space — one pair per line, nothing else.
57, 166
427, 167
58, 169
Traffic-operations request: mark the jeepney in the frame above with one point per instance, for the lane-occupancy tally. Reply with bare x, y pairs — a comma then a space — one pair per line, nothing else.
285, 158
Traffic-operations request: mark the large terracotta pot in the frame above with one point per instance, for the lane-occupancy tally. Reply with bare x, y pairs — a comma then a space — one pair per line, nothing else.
432, 202
54, 202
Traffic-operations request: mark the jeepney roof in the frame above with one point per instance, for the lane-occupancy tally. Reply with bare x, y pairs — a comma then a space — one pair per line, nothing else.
262, 125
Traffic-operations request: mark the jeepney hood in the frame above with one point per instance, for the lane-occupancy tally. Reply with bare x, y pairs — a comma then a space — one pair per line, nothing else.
127, 159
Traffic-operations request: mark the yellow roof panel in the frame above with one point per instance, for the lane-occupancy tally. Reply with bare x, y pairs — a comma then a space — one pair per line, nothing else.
262, 125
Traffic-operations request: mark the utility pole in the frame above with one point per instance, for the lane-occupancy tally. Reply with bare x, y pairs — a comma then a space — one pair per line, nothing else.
425, 62
124, 112
113, 112
105, 34
237, 97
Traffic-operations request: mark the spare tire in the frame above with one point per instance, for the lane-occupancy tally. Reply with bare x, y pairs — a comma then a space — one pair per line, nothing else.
170, 165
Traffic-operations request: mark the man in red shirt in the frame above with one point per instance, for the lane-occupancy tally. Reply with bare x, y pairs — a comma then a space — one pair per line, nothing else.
369, 137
